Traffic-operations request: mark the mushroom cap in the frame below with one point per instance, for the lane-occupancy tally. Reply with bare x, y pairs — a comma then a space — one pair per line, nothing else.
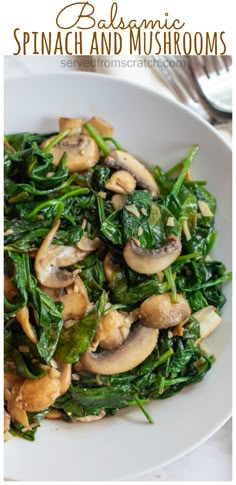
158, 311
103, 128
51, 257
74, 124
121, 182
15, 408
138, 346
119, 159
22, 317
151, 261
74, 297
9, 289
112, 332
109, 267
208, 320
88, 245
38, 394
118, 201
82, 152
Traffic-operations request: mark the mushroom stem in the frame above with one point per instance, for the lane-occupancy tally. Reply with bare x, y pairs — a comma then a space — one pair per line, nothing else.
118, 159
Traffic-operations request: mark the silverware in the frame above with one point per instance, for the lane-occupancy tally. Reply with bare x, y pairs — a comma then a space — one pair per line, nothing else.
177, 72
213, 77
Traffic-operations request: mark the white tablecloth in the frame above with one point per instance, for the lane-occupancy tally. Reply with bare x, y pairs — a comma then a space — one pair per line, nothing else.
212, 460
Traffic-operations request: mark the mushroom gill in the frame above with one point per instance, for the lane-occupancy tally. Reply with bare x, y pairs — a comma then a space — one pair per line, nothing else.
51, 258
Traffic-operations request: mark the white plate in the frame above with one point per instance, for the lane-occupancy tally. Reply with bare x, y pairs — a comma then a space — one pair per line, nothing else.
159, 131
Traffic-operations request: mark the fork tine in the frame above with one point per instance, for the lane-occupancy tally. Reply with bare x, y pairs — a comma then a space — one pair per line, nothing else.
227, 60
169, 77
197, 65
183, 74
208, 65
218, 63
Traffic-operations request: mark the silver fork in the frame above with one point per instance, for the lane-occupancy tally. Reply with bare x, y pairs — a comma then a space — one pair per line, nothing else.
213, 77
177, 73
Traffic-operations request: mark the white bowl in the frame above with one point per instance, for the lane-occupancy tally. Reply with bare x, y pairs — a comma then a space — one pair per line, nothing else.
159, 131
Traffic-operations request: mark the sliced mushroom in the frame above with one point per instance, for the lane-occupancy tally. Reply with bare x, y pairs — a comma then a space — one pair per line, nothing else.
51, 257
82, 152
10, 380
208, 319
9, 289
89, 245
36, 395
138, 346
119, 159
65, 378
158, 311
121, 182
118, 201
110, 268
22, 317
75, 124
104, 129
151, 261
76, 300
112, 332
15, 409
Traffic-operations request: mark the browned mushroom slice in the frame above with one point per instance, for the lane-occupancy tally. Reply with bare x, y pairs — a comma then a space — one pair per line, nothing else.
14, 406
74, 297
65, 379
118, 201
103, 128
74, 124
121, 182
89, 245
9, 290
138, 346
110, 268
158, 311
51, 258
208, 320
82, 152
76, 302
151, 261
36, 395
23, 318
112, 332
119, 159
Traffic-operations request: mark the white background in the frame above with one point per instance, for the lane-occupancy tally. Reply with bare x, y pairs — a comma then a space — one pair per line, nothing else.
41, 16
